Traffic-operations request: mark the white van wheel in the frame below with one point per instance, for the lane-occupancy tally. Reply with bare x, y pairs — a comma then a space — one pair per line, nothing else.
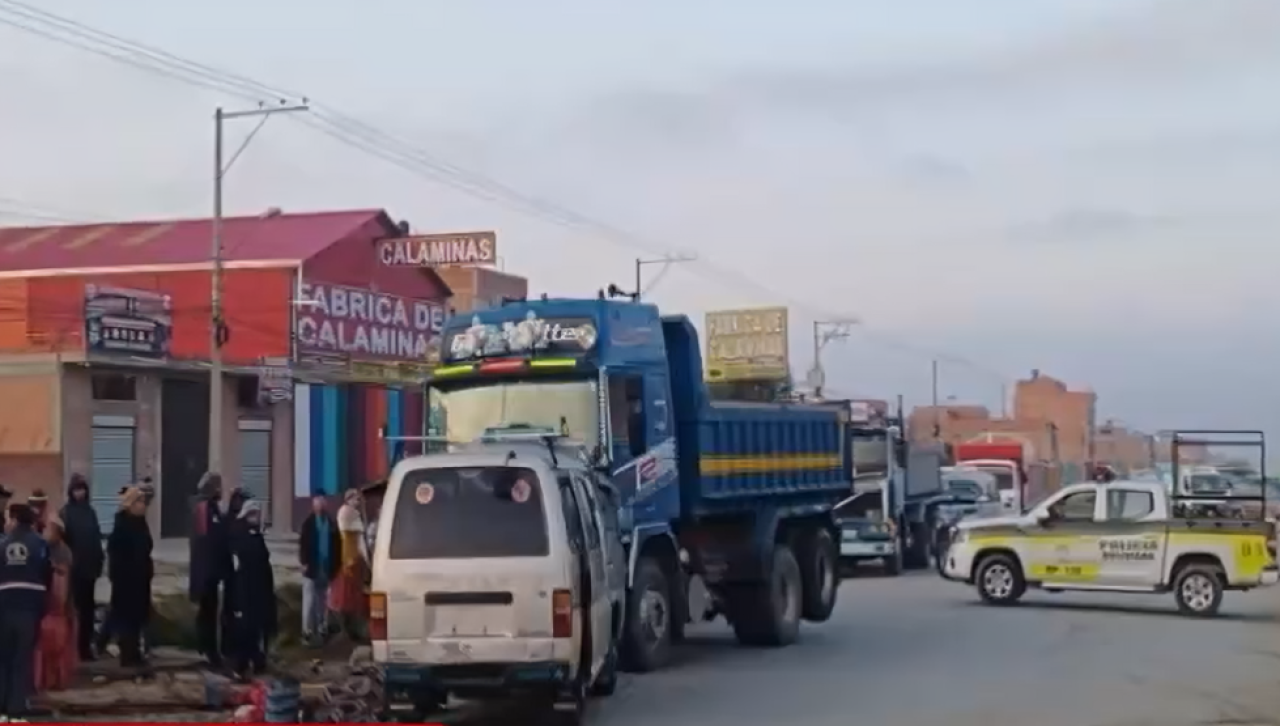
999, 580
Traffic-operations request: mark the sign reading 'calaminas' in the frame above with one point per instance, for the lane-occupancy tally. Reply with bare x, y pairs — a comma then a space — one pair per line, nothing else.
747, 345
440, 250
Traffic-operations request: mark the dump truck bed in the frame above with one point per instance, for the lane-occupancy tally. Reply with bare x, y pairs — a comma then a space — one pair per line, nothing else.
737, 454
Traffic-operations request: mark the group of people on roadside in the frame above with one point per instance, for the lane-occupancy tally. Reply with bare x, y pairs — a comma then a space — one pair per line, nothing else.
49, 567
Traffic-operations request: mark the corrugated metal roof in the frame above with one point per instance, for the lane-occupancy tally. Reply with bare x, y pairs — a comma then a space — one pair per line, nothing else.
278, 237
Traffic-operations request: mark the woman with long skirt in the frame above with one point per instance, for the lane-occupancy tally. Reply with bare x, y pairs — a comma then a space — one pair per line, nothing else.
347, 596
56, 652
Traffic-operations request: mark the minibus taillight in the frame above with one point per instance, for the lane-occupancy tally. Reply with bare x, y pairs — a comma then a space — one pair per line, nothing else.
377, 616
561, 614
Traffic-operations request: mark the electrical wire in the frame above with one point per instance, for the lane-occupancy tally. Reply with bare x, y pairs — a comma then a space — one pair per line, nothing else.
379, 144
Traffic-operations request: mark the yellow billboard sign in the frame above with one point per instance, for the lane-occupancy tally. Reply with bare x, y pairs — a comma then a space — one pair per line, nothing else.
747, 345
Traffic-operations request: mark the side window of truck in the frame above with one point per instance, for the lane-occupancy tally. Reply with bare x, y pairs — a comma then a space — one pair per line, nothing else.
591, 507
1129, 504
608, 500
572, 515
1076, 507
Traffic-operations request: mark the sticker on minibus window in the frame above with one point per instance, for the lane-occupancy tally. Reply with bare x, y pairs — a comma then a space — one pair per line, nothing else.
520, 491
424, 493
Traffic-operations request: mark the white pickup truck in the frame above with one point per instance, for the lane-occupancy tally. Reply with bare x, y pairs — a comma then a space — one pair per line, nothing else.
1112, 537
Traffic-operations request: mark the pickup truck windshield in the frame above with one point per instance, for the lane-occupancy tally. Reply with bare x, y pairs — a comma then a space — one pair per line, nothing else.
466, 412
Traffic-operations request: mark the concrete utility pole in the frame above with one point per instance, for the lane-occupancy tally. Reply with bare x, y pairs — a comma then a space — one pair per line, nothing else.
825, 331
217, 329
667, 261
937, 415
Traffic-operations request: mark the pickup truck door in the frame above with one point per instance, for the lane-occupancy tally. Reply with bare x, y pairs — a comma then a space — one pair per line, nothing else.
1133, 539
1064, 550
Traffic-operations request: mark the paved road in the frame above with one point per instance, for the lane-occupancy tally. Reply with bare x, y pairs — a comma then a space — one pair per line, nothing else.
918, 651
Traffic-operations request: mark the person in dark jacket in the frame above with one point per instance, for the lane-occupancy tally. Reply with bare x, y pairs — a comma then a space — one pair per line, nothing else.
210, 564
5, 496
319, 547
130, 569
25, 575
226, 618
255, 602
83, 534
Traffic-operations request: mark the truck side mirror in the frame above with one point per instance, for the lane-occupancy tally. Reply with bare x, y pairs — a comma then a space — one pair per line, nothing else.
1044, 517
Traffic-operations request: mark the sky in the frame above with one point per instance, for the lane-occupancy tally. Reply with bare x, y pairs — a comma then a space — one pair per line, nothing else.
1077, 186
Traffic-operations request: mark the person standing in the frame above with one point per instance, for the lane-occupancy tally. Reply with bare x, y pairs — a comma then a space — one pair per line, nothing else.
39, 503
130, 568
226, 615
255, 590
25, 575
210, 565
347, 595
318, 547
56, 659
5, 497
84, 536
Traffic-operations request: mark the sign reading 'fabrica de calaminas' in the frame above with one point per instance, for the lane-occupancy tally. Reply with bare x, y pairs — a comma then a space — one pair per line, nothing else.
440, 250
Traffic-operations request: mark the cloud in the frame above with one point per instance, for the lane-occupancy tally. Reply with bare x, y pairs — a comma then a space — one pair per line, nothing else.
1077, 225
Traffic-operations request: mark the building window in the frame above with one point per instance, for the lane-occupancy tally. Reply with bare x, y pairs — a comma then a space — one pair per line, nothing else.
114, 387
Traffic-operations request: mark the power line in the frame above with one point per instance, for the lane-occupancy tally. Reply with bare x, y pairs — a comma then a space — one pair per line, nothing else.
379, 144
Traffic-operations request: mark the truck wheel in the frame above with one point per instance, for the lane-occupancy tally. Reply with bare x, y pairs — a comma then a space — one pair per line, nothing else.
1198, 590
1000, 580
916, 554
819, 577
646, 637
768, 614
893, 563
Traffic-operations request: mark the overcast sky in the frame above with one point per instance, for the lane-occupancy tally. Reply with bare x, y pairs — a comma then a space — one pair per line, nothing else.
1087, 187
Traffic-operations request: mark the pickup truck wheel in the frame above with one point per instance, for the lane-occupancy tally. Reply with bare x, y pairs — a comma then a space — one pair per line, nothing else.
768, 614
819, 579
1198, 590
646, 637
1000, 580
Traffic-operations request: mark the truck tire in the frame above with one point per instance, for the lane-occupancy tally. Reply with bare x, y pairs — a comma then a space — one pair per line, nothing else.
768, 614
915, 556
819, 574
999, 580
1198, 590
893, 563
646, 635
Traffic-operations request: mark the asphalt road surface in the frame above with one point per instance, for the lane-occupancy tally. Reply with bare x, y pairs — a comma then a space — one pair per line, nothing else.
918, 651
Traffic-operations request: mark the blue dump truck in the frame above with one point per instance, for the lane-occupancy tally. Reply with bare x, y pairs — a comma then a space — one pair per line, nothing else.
727, 507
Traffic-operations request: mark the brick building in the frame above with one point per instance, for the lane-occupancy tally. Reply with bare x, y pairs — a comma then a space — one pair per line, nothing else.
1056, 422
105, 340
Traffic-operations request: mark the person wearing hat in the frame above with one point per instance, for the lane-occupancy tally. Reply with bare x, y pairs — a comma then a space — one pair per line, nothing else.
39, 503
130, 568
254, 603
210, 565
25, 575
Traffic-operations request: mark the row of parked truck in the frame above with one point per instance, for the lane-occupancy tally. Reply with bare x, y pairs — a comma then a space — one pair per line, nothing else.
588, 500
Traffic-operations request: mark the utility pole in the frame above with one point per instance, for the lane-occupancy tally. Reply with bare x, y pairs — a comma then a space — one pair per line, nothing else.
937, 415
217, 327
825, 331
668, 260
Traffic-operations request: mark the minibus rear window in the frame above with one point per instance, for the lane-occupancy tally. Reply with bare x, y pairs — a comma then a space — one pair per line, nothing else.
469, 512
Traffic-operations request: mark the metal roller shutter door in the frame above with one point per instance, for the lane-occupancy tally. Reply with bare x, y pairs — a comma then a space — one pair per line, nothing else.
110, 469
255, 467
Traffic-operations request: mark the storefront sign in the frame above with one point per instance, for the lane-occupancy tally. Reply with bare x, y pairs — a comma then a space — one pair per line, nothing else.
747, 345
351, 323
275, 380
440, 250
130, 322
533, 335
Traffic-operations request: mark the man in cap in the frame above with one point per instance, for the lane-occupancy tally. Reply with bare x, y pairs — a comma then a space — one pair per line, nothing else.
25, 575
39, 503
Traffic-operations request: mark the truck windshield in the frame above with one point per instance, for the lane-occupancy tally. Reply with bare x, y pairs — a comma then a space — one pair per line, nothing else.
466, 412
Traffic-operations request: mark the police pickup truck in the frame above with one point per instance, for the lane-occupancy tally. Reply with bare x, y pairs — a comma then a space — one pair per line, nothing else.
1121, 536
